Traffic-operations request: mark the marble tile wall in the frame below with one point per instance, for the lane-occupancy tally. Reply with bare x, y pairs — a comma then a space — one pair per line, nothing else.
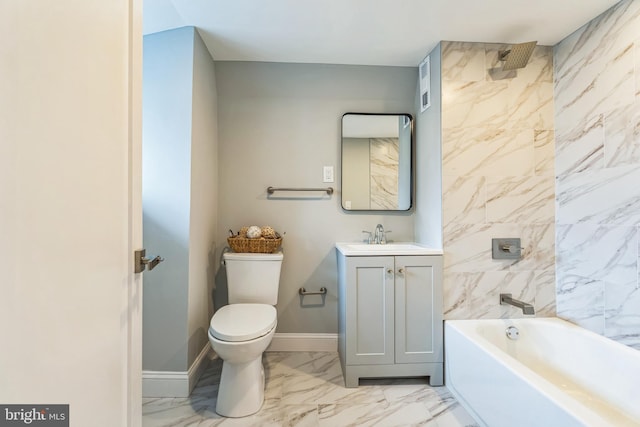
384, 160
597, 103
498, 180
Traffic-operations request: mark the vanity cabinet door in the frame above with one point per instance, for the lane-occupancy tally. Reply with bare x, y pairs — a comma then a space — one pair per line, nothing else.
369, 310
418, 309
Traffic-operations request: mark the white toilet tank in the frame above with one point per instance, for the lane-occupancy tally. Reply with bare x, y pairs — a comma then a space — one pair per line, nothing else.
253, 278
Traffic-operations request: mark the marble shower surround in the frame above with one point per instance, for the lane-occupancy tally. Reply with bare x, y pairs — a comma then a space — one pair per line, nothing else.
597, 102
384, 160
498, 179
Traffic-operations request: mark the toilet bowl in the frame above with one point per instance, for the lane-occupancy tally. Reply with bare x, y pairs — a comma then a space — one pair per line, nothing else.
239, 334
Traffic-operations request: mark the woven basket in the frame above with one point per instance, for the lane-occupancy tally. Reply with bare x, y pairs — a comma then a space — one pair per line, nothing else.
260, 245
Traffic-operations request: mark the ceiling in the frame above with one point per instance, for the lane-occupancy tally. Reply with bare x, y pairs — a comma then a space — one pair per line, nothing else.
364, 32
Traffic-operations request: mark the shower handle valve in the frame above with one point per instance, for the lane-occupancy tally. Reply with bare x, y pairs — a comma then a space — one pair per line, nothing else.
506, 248
512, 249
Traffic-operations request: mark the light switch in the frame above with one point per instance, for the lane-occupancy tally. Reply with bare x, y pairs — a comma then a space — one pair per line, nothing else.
327, 174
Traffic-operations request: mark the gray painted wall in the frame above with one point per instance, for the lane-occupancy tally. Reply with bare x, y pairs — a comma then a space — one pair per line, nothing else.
166, 141
178, 196
355, 153
428, 223
404, 166
204, 197
279, 124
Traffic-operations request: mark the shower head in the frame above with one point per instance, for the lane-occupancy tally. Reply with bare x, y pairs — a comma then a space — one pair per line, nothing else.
517, 56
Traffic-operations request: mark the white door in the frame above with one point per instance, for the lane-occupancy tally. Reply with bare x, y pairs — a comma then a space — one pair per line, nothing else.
69, 207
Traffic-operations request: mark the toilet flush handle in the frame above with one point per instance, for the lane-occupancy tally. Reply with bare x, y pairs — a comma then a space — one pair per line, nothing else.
224, 250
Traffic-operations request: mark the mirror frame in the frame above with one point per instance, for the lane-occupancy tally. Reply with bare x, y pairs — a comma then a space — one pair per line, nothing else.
411, 162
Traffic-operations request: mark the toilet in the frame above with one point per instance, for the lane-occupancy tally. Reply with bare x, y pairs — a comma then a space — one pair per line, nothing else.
241, 331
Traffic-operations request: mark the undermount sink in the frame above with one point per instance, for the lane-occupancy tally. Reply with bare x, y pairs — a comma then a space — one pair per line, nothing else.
400, 248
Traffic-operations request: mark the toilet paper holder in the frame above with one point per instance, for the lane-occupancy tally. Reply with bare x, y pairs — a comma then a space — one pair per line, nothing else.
303, 291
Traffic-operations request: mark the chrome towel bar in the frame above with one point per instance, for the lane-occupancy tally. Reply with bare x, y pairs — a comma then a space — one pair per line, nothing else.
328, 190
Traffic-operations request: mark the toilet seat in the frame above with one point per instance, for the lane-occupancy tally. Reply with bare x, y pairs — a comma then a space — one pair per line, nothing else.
242, 322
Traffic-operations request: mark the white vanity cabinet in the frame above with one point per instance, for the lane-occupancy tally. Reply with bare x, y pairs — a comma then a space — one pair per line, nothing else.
390, 317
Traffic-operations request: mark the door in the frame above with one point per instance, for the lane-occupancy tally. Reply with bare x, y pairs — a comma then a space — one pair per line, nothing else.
69, 207
369, 310
418, 309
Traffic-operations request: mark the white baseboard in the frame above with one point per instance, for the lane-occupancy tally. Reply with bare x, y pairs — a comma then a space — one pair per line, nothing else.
304, 342
172, 383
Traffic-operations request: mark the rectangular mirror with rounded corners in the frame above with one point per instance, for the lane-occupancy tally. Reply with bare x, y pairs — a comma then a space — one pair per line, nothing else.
377, 171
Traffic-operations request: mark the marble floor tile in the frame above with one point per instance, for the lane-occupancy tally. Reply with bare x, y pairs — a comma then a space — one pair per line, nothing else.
306, 389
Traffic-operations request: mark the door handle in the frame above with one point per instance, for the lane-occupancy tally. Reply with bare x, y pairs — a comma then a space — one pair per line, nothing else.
154, 262
141, 263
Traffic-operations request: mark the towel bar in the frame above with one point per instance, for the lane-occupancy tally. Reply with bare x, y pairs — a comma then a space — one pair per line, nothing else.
328, 190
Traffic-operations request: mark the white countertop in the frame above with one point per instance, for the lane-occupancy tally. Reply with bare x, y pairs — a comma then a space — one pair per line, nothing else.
394, 248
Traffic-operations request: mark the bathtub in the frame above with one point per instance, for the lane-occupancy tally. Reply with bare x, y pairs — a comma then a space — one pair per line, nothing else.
555, 374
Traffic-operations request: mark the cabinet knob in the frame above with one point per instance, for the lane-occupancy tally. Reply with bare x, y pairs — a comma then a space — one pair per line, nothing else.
390, 271
401, 270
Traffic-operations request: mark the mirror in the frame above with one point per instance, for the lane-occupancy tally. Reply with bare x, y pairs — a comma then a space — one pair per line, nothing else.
377, 162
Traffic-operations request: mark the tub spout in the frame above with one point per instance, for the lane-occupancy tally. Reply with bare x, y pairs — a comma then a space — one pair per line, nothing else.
526, 308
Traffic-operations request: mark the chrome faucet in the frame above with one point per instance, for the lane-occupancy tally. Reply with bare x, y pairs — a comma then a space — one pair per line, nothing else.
379, 237
526, 308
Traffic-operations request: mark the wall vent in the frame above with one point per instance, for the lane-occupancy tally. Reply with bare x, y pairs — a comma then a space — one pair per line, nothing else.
425, 83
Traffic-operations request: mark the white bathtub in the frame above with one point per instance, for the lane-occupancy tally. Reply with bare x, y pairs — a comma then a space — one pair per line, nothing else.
555, 375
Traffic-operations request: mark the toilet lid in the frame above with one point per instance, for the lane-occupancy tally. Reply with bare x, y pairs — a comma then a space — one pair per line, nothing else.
243, 322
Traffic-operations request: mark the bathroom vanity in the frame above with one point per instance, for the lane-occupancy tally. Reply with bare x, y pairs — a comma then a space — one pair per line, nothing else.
389, 311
